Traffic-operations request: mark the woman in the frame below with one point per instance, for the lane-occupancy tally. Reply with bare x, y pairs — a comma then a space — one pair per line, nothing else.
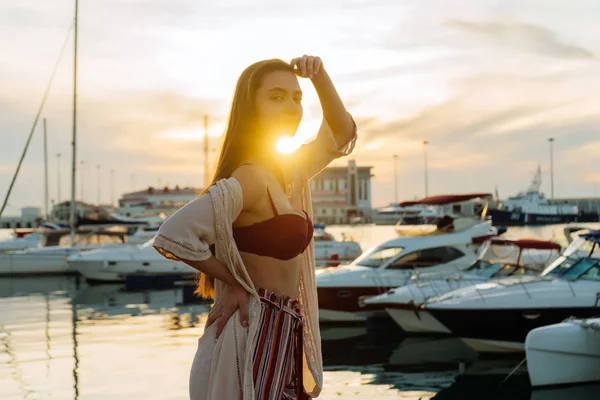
257, 213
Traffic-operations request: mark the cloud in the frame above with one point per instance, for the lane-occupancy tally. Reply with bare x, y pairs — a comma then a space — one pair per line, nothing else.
455, 119
523, 36
590, 149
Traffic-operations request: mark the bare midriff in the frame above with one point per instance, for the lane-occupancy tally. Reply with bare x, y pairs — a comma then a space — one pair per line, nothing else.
279, 276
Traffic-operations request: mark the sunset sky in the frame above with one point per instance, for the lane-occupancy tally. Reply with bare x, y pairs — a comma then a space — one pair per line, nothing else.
485, 82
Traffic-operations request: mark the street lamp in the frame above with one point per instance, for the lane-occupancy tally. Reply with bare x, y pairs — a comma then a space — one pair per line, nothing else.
396, 178
551, 140
425, 143
58, 177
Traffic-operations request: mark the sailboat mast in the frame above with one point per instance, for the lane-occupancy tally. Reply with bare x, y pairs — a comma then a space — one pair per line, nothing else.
74, 142
46, 171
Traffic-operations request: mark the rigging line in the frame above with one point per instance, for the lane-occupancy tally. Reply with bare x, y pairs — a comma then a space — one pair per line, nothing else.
37, 117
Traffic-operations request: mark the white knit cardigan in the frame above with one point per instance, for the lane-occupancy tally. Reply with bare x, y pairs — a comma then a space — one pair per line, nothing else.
224, 368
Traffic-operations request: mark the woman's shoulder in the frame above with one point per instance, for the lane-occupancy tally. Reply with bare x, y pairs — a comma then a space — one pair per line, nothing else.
250, 173
253, 182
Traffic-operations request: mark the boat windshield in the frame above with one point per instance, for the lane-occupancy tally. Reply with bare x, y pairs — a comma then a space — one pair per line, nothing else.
377, 256
485, 268
491, 269
587, 268
578, 249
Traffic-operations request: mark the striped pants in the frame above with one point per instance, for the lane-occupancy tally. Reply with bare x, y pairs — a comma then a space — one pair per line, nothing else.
277, 367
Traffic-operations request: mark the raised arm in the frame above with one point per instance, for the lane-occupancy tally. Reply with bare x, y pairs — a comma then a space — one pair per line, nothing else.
337, 135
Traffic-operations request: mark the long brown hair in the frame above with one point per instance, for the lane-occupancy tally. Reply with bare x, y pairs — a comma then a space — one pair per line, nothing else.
241, 138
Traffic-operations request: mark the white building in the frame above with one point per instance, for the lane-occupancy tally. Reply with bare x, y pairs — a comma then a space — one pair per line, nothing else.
30, 217
155, 201
342, 195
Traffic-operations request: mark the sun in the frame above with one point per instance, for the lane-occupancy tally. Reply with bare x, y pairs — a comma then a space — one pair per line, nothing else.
287, 145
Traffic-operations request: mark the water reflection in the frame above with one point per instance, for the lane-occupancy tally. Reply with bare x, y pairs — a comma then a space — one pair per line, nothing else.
63, 339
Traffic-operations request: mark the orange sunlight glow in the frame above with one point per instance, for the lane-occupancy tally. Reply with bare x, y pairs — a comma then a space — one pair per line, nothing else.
307, 131
287, 144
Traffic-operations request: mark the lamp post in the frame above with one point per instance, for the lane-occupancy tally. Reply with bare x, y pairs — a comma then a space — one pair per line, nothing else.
81, 168
58, 155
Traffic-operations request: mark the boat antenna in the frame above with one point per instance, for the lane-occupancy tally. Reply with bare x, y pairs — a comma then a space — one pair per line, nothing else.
37, 118
74, 142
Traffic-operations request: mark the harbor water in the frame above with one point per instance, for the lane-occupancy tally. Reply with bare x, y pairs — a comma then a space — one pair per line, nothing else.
63, 339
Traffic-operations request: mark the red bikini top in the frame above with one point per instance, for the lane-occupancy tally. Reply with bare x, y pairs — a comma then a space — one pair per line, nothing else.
283, 236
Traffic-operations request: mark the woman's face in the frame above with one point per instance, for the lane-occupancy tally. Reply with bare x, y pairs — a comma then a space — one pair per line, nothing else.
279, 105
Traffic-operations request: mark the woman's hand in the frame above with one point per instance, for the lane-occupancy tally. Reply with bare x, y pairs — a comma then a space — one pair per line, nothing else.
232, 298
307, 66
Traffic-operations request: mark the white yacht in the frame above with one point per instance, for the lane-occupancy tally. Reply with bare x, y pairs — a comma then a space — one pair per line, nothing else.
392, 264
496, 316
454, 212
394, 213
115, 265
328, 249
53, 259
564, 353
500, 257
21, 243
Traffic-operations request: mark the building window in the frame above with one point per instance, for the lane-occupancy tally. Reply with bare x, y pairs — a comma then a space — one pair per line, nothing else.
324, 211
334, 211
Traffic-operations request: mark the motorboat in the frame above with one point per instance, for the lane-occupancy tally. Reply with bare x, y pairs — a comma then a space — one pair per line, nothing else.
564, 353
328, 249
392, 264
454, 212
496, 316
21, 243
47, 234
53, 259
115, 265
140, 234
500, 257
411, 215
139, 229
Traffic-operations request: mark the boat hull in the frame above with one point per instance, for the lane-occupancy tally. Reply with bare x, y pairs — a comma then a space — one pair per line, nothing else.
500, 330
551, 348
341, 304
511, 218
417, 321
